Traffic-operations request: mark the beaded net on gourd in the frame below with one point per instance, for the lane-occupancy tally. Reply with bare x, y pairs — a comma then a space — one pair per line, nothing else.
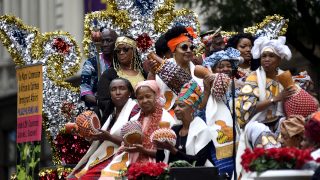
173, 76
132, 128
164, 134
87, 124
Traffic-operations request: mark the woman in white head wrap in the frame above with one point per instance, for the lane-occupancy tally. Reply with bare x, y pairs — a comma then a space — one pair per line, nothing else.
262, 94
262, 97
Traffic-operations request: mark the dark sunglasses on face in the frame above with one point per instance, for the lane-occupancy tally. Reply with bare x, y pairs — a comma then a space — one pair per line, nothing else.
118, 51
185, 47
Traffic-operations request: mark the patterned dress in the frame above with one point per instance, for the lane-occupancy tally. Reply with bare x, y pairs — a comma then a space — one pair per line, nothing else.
259, 134
248, 99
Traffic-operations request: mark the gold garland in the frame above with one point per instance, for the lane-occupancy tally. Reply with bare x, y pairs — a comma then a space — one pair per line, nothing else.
37, 51
119, 18
47, 171
267, 20
56, 74
163, 23
11, 19
59, 170
55, 61
228, 33
159, 15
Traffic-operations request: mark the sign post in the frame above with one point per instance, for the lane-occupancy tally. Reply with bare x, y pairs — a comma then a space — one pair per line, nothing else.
29, 121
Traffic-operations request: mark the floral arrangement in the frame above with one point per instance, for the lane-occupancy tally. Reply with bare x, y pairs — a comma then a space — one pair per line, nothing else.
150, 171
261, 159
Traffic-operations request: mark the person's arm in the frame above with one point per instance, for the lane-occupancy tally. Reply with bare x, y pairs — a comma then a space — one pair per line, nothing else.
151, 76
149, 152
103, 94
152, 66
141, 149
160, 155
87, 80
284, 95
91, 99
207, 81
200, 157
106, 136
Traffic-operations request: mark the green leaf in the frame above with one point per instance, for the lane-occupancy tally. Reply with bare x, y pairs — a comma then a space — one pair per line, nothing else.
194, 164
21, 174
181, 163
37, 149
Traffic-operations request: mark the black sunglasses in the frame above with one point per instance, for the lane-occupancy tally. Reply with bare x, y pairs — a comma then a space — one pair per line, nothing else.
118, 51
185, 47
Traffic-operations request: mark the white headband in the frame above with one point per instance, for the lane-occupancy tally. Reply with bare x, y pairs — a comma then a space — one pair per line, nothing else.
275, 45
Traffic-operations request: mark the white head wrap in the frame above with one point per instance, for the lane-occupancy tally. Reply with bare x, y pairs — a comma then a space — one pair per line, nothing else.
277, 45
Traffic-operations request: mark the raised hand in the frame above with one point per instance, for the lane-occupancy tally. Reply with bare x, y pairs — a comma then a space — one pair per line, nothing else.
285, 94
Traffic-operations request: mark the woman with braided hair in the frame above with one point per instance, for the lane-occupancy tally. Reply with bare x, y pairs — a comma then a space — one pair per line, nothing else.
126, 64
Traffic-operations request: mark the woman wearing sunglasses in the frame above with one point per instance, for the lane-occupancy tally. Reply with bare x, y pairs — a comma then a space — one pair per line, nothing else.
180, 43
126, 64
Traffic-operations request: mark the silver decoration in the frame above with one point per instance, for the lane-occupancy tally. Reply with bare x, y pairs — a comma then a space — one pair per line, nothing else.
24, 52
142, 24
187, 21
270, 30
53, 96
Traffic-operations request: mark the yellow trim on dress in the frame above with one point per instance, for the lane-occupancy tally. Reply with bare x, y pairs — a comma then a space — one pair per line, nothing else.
134, 80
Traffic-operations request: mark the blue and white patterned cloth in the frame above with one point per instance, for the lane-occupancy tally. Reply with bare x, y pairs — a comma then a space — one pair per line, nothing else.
222, 55
89, 77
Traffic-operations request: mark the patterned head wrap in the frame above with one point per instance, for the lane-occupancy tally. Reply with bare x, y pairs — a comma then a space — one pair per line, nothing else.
191, 94
183, 37
294, 124
154, 86
222, 55
125, 41
135, 55
303, 80
276, 46
313, 128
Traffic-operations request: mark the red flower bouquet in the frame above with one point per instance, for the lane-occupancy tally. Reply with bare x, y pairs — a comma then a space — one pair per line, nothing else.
149, 171
261, 159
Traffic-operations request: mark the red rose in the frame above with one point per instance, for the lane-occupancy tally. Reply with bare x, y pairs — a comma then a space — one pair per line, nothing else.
277, 156
268, 155
247, 150
299, 164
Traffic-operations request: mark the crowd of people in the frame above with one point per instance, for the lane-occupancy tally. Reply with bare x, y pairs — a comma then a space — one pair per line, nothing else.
167, 88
